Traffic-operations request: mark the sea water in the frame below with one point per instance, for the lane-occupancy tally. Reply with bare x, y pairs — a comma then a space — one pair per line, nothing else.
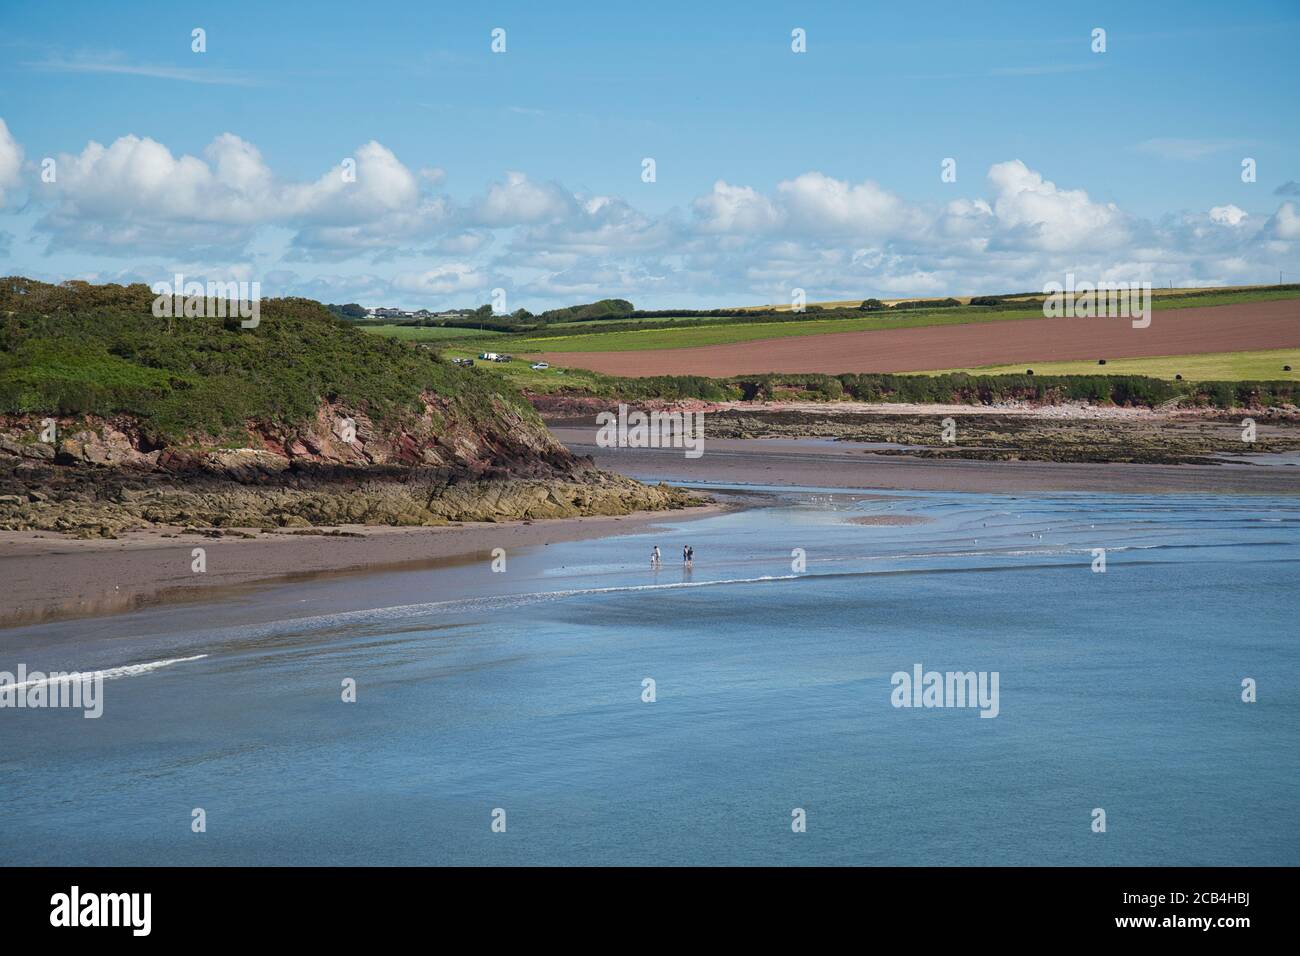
582, 707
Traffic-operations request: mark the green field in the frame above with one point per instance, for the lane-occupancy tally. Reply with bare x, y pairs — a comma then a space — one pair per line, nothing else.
431, 333
727, 332
1263, 366
519, 372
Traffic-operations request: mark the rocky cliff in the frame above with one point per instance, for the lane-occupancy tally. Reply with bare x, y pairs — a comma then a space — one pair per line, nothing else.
112, 419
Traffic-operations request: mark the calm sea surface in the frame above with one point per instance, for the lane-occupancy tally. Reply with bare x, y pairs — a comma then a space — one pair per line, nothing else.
524, 691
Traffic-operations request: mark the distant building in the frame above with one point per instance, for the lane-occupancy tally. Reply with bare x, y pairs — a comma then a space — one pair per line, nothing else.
385, 313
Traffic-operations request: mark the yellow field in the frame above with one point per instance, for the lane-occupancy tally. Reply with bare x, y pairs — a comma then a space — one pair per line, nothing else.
1220, 366
965, 299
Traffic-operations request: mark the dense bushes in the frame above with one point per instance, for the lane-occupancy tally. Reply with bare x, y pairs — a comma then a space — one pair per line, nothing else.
926, 304
81, 349
989, 389
965, 389
604, 309
957, 389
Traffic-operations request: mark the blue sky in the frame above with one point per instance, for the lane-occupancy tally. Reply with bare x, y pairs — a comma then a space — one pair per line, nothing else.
522, 170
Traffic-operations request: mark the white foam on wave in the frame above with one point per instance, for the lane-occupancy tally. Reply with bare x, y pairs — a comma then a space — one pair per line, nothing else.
109, 673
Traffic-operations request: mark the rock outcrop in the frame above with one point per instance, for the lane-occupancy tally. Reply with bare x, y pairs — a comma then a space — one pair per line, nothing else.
100, 477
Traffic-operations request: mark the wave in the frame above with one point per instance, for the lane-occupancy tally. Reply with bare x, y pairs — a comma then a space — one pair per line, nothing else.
108, 673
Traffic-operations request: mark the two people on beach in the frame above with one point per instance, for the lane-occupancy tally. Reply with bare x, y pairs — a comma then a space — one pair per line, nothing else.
688, 556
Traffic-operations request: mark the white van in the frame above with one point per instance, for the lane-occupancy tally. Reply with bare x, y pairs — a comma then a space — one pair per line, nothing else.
489, 357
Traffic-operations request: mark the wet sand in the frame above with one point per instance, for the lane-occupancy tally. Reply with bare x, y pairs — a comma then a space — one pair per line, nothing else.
826, 464
48, 576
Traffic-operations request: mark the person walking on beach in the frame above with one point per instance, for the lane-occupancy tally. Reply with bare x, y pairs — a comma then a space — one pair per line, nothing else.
686, 556
690, 556
654, 557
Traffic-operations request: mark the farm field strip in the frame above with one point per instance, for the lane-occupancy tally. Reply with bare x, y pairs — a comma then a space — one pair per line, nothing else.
1266, 365
1255, 326
727, 333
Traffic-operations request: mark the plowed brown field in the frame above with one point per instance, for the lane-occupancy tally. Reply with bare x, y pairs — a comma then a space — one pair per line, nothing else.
1228, 328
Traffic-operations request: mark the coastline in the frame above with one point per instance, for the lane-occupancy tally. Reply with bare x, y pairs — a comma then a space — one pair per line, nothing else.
824, 463
51, 577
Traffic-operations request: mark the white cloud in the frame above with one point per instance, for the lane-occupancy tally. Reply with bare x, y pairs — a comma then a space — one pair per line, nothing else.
441, 280
520, 201
465, 243
1035, 213
1228, 215
736, 209
597, 226
137, 200
136, 193
811, 204
819, 204
1285, 223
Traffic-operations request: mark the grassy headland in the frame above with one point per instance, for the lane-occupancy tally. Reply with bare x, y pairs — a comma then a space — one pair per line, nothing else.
302, 420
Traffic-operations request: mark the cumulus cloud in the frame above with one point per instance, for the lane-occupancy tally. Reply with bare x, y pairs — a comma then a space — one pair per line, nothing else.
465, 243
137, 199
1035, 213
1228, 215
735, 209
597, 226
519, 201
136, 193
817, 203
441, 280
1285, 223
810, 204
137, 176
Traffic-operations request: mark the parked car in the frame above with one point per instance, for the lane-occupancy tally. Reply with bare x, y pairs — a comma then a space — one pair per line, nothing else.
538, 366
503, 358
490, 357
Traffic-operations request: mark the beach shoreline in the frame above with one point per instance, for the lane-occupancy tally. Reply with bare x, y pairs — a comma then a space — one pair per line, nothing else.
50, 577
826, 463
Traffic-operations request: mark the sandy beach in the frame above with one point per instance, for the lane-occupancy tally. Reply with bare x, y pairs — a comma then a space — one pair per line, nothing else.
48, 576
